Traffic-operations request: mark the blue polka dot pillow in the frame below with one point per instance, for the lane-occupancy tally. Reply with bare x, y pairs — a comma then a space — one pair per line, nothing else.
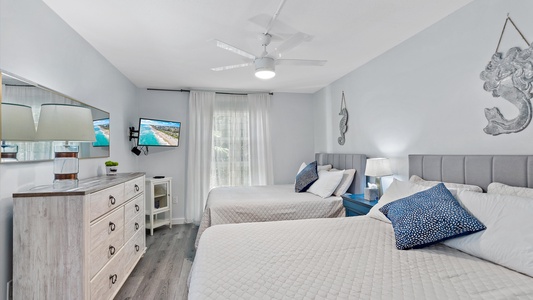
306, 178
429, 217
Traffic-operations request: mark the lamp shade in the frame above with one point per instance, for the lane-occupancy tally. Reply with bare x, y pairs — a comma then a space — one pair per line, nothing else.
61, 122
264, 68
17, 123
377, 167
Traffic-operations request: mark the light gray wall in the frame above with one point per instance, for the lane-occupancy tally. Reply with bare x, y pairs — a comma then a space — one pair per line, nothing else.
425, 95
167, 161
39, 46
292, 133
291, 128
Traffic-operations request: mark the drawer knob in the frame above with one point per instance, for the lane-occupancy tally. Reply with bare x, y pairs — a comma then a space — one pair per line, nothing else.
113, 278
137, 188
137, 248
136, 226
112, 250
112, 226
137, 208
112, 200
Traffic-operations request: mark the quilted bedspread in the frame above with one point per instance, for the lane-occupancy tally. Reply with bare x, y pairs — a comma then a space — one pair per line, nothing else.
343, 258
228, 205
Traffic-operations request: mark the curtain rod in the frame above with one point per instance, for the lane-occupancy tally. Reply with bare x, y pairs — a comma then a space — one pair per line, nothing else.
187, 91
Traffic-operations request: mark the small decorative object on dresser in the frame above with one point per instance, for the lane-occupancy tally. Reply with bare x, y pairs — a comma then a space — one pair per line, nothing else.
111, 167
78, 243
158, 202
356, 205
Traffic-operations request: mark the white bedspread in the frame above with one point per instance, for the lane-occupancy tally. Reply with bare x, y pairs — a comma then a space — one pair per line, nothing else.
344, 258
227, 205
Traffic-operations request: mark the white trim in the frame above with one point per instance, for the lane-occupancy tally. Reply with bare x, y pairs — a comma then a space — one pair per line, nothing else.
177, 221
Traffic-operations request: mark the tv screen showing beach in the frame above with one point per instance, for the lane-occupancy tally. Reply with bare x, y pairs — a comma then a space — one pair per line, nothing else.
159, 133
101, 132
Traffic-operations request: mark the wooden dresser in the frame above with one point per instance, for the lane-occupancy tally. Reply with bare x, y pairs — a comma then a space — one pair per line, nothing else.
78, 243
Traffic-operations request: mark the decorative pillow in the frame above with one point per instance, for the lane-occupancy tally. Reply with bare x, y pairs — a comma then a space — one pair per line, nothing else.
318, 168
345, 183
429, 217
326, 183
306, 177
504, 189
397, 190
508, 240
450, 185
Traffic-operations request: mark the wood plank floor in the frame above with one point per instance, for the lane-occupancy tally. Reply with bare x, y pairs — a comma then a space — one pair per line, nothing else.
163, 271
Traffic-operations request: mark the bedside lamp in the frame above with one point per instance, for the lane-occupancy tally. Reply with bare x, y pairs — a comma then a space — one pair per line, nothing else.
378, 167
62, 122
17, 125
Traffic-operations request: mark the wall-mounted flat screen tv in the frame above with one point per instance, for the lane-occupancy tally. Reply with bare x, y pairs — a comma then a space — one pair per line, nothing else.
101, 131
159, 133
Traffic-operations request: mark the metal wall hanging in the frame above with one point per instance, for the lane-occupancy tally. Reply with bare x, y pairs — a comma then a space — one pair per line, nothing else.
343, 126
509, 77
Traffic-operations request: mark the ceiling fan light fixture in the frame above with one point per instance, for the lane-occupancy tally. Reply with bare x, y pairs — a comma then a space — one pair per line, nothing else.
264, 68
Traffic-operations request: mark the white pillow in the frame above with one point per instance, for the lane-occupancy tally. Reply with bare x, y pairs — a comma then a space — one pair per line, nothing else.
508, 239
397, 190
326, 184
345, 183
467, 187
503, 189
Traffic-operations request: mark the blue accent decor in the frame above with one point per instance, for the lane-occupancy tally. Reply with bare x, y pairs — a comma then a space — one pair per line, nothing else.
428, 217
306, 178
356, 204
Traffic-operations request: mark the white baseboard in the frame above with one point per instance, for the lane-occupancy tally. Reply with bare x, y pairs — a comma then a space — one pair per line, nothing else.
177, 221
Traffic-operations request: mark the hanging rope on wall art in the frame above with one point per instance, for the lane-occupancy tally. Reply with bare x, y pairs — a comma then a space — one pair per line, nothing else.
343, 126
509, 77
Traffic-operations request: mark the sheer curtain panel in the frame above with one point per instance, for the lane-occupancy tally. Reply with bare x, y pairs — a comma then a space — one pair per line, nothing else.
261, 170
199, 153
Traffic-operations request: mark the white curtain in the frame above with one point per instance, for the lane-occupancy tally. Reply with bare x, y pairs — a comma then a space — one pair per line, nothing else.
261, 171
199, 153
230, 156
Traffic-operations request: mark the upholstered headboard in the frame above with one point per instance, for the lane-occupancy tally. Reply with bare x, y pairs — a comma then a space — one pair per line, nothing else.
480, 170
347, 161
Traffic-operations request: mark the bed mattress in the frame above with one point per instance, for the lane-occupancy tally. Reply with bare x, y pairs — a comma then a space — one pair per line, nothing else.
344, 258
228, 205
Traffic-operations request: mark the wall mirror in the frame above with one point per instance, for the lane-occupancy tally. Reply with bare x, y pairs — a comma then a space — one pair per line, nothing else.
17, 147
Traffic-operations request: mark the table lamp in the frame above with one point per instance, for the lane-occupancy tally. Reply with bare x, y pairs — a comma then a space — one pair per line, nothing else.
378, 167
69, 123
17, 125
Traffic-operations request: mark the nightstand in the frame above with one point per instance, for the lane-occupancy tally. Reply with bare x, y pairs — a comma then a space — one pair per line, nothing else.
356, 205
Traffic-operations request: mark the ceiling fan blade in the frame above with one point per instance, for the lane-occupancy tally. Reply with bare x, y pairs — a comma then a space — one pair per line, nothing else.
300, 62
278, 27
233, 49
295, 40
224, 68
274, 17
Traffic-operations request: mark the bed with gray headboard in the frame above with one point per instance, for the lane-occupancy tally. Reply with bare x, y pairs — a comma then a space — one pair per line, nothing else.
245, 204
358, 257
480, 170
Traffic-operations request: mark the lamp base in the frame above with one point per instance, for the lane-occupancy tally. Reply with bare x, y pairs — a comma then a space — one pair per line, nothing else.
66, 166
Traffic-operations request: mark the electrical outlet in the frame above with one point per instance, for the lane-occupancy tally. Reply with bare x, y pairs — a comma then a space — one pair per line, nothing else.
9, 293
175, 200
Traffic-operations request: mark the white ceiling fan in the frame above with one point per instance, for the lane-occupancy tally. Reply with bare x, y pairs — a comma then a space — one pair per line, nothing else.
265, 63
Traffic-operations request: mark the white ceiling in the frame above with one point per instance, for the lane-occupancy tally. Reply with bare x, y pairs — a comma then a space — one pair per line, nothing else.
169, 43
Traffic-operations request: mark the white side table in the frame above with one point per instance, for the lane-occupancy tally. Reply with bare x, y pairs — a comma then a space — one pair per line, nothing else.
158, 207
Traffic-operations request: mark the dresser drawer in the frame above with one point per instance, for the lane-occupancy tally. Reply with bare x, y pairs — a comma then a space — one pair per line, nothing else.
133, 226
134, 207
104, 246
109, 280
134, 187
106, 200
134, 249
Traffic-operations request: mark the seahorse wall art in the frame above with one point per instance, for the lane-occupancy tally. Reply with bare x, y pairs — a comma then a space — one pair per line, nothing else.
509, 77
343, 125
